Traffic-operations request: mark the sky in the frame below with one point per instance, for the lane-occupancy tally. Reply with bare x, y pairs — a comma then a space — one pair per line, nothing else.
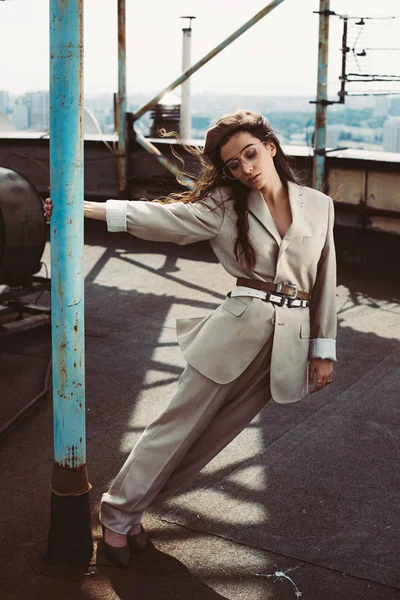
278, 56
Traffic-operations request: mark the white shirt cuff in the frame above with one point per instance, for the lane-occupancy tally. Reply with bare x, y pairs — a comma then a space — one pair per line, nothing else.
322, 348
116, 215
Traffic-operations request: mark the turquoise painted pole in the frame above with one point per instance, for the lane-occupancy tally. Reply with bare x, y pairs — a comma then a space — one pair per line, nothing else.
121, 104
70, 533
322, 97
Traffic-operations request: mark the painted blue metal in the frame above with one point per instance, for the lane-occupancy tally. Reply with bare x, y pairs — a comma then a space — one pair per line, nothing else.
122, 159
322, 96
67, 268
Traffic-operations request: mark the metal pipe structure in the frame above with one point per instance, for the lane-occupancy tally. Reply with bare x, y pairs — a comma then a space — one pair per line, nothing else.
345, 50
168, 164
70, 537
322, 96
121, 103
262, 13
186, 119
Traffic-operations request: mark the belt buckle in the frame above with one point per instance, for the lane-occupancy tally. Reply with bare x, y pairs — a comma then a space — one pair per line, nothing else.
292, 286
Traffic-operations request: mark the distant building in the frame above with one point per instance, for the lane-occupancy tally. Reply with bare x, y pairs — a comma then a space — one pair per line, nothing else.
332, 137
395, 107
5, 125
382, 105
38, 107
19, 116
391, 135
4, 102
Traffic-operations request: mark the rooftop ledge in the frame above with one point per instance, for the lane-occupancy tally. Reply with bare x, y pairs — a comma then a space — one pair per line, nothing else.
352, 153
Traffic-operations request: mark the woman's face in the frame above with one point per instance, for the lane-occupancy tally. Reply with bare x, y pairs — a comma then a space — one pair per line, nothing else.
249, 160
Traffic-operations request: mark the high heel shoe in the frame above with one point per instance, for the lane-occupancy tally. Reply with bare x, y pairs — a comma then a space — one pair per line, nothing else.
137, 542
119, 556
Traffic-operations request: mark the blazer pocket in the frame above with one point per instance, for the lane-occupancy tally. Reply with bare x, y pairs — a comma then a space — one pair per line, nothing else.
235, 306
305, 330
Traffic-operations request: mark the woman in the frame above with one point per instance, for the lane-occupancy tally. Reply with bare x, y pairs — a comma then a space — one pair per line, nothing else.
272, 336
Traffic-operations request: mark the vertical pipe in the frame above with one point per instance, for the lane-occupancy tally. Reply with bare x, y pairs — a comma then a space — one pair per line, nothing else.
345, 50
322, 96
186, 120
122, 160
70, 534
115, 109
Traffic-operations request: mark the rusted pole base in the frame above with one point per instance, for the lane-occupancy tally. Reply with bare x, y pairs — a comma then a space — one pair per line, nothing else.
70, 535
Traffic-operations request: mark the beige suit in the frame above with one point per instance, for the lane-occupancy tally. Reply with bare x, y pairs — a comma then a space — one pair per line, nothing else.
246, 351
239, 328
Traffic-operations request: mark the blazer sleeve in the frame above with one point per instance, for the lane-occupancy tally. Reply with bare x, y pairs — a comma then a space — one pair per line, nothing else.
323, 313
178, 222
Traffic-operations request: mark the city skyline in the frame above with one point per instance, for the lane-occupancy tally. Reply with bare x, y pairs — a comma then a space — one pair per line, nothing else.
278, 56
370, 123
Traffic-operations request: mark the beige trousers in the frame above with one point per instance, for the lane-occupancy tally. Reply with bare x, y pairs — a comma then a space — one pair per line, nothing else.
202, 418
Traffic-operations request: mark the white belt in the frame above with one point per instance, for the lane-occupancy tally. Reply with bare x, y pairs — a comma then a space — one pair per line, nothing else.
268, 297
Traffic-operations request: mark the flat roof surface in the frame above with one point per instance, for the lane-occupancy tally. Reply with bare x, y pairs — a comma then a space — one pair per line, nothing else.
308, 491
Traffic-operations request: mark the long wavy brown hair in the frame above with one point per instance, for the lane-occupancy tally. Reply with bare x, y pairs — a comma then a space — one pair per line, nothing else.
211, 174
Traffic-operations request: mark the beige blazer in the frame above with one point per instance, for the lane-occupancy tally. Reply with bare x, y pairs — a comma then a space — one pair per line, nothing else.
224, 343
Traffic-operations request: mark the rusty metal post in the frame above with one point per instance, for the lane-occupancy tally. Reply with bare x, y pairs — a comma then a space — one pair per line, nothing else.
345, 50
121, 103
70, 537
322, 97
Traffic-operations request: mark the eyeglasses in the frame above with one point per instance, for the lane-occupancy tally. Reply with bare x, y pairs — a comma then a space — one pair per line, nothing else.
249, 155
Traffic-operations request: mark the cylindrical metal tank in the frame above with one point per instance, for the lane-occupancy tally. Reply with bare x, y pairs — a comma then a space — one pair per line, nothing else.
165, 117
22, 229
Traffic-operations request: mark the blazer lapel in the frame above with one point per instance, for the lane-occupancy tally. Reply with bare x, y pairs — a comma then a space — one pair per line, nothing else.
259, 209
298, 204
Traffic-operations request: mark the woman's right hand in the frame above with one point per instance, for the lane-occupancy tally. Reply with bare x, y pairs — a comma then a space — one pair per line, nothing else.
91, 210
48, 208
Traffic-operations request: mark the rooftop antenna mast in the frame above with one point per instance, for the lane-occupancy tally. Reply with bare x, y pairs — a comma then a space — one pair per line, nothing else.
322, 101
360, 53
186, 119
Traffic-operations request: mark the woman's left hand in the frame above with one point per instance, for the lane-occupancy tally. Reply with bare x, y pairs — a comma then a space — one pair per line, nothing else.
321, 370
48, 209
